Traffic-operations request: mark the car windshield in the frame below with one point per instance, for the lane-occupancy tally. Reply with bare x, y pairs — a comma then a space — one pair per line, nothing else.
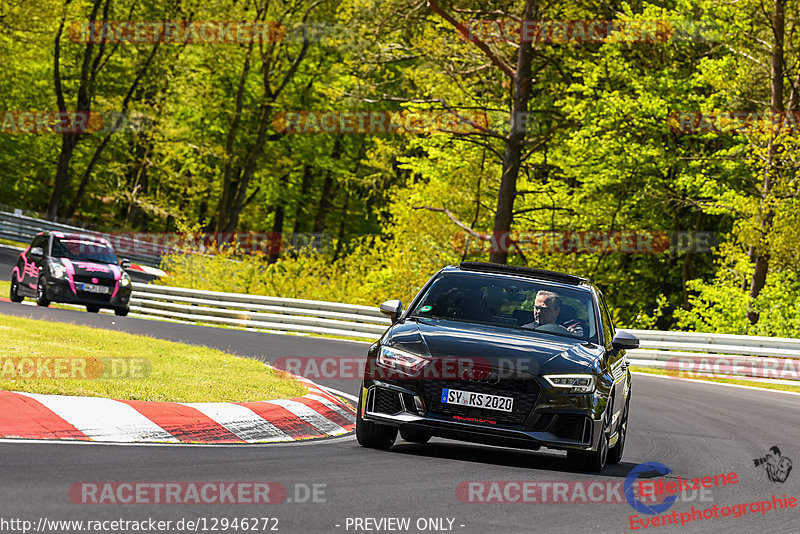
510, 302
75, 248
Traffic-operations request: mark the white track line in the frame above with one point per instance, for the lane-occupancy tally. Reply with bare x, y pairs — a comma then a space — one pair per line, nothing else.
302, 443
715, 383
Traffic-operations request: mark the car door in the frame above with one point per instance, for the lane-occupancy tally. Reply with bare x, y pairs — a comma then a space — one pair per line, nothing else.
31, 264
615, 360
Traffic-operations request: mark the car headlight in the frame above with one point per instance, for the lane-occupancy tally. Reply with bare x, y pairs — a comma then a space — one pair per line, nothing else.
58, 270
574, 383
124, 280
400, 360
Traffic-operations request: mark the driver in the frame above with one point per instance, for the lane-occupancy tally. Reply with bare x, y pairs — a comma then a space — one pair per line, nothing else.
546, 308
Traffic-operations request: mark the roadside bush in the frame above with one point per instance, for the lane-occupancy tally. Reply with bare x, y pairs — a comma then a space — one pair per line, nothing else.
720, 306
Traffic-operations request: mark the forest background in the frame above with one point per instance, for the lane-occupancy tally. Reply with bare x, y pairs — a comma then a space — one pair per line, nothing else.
616, 132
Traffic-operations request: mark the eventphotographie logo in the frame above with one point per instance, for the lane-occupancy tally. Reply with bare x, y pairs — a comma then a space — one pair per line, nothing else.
776, 466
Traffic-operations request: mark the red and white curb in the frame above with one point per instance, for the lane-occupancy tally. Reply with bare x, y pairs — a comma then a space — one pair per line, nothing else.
34, 416
146, 269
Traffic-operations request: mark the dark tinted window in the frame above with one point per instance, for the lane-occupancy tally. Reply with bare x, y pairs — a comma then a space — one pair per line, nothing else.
506, 302
76, 248
40, 241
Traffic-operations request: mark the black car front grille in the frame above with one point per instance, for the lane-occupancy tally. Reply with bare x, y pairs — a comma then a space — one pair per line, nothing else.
98, 298
542, 421
569, 426
524, 393
87, 279
387, 401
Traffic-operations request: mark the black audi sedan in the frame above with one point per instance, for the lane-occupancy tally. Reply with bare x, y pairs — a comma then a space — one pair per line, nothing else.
73, 268
501, 355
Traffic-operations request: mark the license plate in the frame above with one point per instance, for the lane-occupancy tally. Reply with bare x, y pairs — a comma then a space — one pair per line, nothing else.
91, 288
477, 400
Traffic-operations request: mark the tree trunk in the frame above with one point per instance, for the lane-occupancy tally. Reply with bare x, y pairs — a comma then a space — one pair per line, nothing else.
87, 173
140, 184
277, 222
226, 198
301, 212
342, 226
68, 143
88, 73
512, 157
776, 106
325, 200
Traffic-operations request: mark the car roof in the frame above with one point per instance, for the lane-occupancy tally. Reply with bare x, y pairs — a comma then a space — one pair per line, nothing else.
86, 237
527, 272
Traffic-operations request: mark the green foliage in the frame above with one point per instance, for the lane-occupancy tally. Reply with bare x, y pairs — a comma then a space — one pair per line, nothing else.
598, 155
721, 305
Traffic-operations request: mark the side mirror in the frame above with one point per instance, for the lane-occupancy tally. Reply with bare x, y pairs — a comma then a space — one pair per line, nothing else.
624, 341
125, 263
392, 308
36, 252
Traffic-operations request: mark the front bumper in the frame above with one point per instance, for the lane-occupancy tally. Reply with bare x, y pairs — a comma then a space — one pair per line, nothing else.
60, 290
550, 424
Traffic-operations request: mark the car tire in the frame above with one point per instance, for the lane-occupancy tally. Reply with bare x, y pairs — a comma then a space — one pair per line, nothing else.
41, 293
92, 309
373, 435
592, 461
416, 436
121, 312
615, 452
14, 290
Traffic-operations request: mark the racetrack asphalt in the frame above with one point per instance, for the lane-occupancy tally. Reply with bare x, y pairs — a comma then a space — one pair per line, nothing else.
696, 429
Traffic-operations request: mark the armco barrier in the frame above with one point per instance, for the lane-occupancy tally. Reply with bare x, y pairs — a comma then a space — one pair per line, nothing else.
260, 312
746, 356
718, 354
22, 228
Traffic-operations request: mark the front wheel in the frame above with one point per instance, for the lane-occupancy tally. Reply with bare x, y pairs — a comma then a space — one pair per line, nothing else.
372, 435
41, 293
14, 291
592, 461
615, 452
121, 312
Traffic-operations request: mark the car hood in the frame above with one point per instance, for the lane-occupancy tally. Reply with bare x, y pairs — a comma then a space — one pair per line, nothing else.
497, 347
92, 269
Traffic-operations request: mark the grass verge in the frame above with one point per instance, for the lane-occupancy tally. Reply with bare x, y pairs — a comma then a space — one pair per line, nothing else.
752, 383
128, 366
12, 243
